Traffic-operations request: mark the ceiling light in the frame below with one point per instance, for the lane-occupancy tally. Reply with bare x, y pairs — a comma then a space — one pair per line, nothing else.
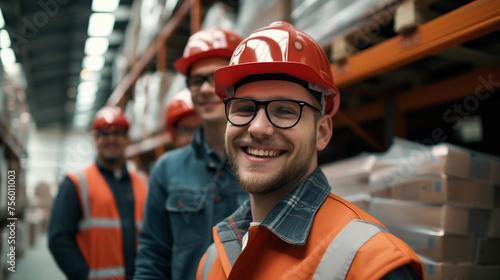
86, 94
101, 24
2, 21
89, 75
84, 107
105, 5
96, 46
93, 62
8, 57
87, 87
4, 39
84, 99
81, 120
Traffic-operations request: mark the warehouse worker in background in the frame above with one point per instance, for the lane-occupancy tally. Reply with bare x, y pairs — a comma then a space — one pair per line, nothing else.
191, 188
280, 98
96, 215
181, 119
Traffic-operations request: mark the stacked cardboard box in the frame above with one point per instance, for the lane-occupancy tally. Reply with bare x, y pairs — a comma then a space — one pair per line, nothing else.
349, 178
441, 201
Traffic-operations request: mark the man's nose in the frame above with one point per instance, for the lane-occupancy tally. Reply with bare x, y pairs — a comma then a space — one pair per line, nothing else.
260, 125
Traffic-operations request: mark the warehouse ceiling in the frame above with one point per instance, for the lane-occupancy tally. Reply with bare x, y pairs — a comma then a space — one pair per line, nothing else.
48, 38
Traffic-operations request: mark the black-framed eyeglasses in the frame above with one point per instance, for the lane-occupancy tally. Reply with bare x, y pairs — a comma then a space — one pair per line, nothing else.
107, 133
194, 82
282, 113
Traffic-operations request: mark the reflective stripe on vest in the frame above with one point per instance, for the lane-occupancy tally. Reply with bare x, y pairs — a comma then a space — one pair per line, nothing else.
338, 257
209, 261
107, 273
88, 221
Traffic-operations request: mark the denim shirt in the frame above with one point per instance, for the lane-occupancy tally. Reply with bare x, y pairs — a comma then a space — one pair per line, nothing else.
190, 190
291, 220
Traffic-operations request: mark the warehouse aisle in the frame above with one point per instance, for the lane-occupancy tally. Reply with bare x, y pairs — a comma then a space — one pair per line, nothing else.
37, 263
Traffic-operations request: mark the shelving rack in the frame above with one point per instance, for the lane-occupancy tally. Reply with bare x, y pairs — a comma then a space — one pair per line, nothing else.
450, 56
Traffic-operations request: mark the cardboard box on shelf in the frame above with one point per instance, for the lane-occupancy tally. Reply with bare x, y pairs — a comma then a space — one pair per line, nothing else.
496, 200
494, 224
437, 246
445, 218
485, 272
441, 270
487, 251
406, 159
350, 176
442, 189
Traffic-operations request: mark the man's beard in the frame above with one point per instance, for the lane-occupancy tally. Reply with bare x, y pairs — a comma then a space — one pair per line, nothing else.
111, 159
288, 175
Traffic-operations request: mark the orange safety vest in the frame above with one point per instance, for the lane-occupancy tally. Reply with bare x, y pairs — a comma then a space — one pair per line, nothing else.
100, 233
343, 243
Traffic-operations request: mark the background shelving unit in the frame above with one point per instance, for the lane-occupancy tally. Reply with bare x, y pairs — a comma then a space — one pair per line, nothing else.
441, 57
14, 129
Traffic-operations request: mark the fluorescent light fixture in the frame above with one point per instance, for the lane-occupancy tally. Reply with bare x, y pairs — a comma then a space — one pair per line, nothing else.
84, 107
105, 5
87, 87
8, 57
93, 62
2, 21
89, 75
86, 94
84, 100
81, 120
4, 39
101, 24
96, 46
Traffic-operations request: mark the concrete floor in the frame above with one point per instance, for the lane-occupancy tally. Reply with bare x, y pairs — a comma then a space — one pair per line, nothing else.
37, 263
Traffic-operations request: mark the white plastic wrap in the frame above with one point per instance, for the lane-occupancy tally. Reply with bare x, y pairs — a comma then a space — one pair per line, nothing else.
324, 19
258, 13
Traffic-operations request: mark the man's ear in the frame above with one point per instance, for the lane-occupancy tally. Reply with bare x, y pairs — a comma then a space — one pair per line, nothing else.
324, 131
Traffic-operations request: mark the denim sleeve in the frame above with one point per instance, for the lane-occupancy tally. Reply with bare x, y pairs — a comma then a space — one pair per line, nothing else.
155, 240
405, 272
65, 214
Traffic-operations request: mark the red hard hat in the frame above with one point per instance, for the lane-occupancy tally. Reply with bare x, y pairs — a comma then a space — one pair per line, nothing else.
208, 42
110, 116
179, 106
281, 48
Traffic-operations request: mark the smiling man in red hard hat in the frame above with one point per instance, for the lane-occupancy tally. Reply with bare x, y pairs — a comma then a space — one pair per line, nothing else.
280, 97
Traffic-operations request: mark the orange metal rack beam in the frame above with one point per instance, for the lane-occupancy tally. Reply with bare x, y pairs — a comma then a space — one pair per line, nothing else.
150, 53
466, 23
474, 83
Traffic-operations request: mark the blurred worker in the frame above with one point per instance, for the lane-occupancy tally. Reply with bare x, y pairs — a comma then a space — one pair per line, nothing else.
191, 188
280, 98
181, 119
96, 215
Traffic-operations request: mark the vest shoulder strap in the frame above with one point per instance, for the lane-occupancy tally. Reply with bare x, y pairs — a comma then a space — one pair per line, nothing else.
341, 252
209, 261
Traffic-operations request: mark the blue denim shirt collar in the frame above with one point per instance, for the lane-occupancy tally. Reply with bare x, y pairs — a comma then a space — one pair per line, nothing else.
291, 219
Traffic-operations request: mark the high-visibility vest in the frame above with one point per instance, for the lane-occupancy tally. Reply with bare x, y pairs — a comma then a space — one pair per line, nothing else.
343, 243
100, 232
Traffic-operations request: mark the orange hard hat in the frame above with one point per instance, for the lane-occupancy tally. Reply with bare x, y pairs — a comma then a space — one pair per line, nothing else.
179, 106
280, 48
207, 42
108, 117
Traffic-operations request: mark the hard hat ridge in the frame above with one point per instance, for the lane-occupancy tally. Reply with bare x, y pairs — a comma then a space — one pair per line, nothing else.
281, 48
